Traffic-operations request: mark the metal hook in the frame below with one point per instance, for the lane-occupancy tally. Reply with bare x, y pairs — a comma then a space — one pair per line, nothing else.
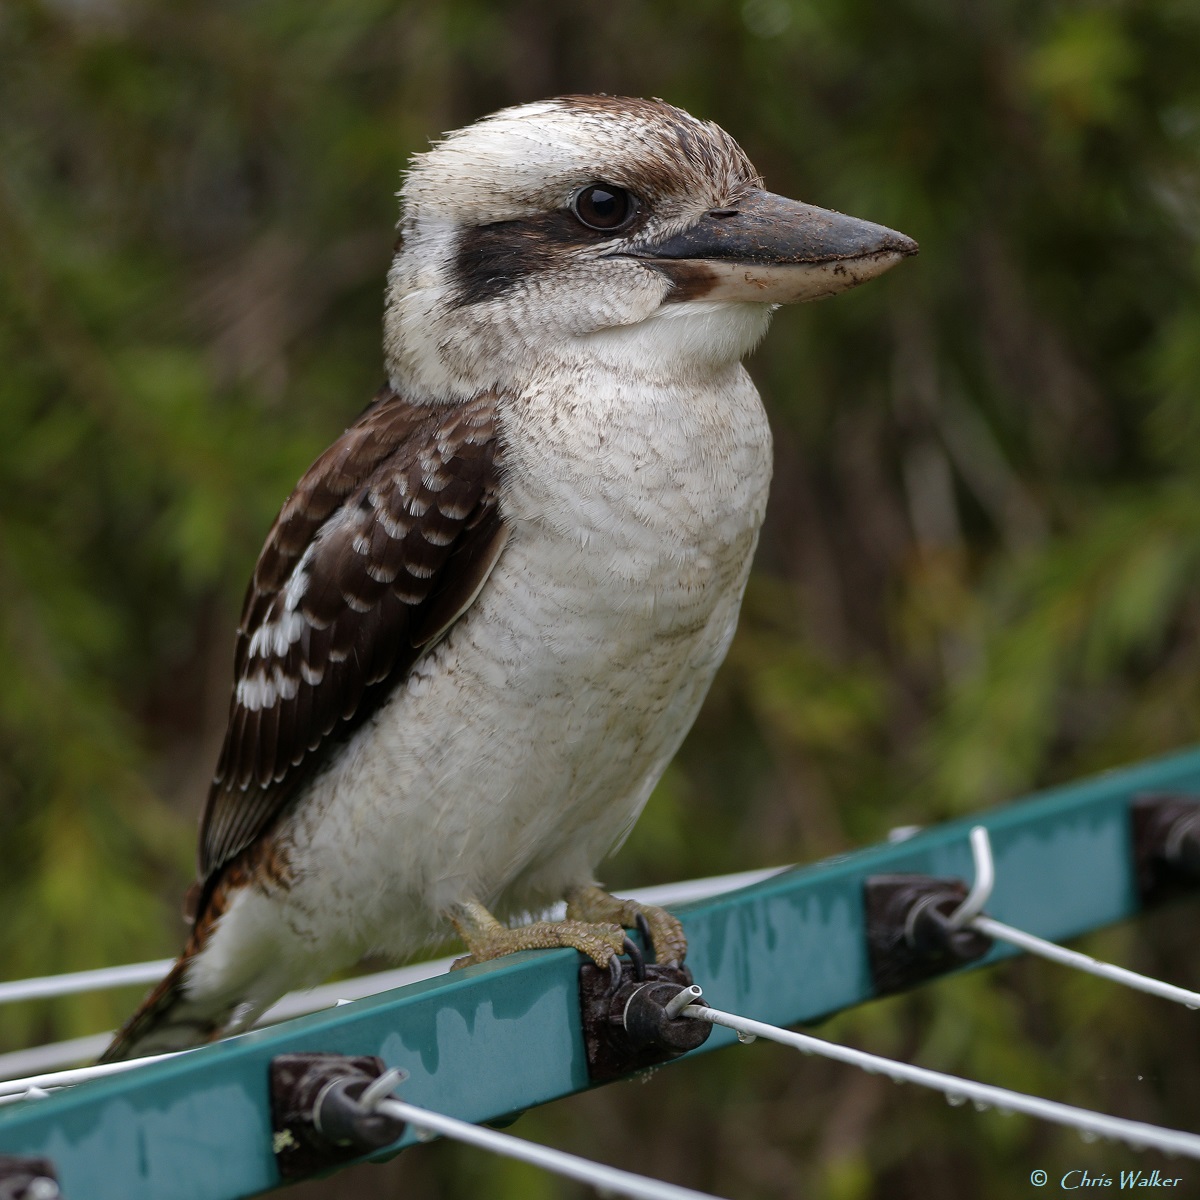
985, 880
382, 1088
1183, 842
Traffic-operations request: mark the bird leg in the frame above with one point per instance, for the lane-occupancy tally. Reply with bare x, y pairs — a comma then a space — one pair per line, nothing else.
486, 938
662, 930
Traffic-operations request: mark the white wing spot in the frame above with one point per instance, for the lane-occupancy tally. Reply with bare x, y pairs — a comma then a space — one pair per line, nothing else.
275, 637
297, 584
255, 692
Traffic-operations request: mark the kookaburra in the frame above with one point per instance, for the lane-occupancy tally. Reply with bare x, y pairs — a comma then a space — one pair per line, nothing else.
487, 616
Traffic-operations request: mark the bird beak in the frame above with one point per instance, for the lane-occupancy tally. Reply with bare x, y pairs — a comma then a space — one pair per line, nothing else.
771, 250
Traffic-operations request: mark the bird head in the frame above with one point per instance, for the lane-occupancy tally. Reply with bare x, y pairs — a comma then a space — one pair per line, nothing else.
590, 227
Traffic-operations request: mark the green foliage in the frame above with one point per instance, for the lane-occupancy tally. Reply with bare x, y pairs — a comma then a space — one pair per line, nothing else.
978, 572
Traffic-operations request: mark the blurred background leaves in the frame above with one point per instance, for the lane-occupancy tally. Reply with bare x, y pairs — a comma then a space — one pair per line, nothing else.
978, 575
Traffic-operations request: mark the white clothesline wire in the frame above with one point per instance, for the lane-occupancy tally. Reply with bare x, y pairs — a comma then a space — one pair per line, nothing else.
44, 987
53, 1056
1084, 962
607, 1180
33, 1086
970, 913
958, 1091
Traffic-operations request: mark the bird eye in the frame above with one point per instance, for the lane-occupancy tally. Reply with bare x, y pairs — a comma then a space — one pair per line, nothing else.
603, 206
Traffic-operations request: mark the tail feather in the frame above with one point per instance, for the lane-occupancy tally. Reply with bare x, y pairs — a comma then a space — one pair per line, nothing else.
167, 1020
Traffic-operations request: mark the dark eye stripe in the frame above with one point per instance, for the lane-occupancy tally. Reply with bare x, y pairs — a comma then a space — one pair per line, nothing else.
491, 259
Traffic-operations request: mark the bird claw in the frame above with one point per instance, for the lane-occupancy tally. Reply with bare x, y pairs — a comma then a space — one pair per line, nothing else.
614, 972
643, 927
632, 949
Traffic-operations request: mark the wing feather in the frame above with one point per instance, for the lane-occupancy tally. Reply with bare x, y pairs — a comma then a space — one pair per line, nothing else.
383, 545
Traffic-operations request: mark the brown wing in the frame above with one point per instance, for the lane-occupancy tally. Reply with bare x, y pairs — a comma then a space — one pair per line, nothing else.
382, 546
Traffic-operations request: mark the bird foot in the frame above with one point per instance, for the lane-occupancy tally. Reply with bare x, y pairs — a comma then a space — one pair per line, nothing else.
659, 929
486, 938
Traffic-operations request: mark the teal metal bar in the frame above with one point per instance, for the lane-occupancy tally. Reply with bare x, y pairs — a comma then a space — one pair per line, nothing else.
505, 1036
